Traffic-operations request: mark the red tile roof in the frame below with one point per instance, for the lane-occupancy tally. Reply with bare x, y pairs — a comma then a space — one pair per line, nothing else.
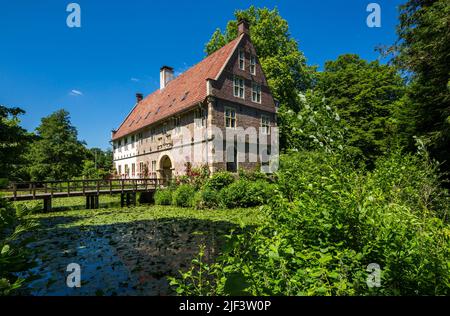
183, 92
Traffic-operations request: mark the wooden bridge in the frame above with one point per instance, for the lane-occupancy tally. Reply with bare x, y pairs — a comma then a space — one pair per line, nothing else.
91, 189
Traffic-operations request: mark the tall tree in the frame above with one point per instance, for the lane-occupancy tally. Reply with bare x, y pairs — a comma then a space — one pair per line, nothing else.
13, 142
57, 154
423, 53
278, 53
365, 94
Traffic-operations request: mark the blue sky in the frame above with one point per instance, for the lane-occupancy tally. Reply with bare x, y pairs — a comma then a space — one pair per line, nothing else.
95, 71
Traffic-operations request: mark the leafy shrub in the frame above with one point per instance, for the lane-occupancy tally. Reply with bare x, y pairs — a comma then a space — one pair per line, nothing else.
244, 193
328, 222
13, 251
206, 198
219, 180
194, 176
254, 175
163, 196
4, 183
183, 195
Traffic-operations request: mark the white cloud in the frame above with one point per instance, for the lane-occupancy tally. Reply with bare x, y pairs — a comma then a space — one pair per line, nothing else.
135, 79
76, 93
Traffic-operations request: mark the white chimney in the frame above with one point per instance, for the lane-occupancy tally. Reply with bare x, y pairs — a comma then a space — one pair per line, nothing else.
165, 75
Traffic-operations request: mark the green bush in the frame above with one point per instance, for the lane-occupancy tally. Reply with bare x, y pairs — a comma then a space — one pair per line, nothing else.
13, 250
163, 196
4, 183
206, 198
245, 193
183, 195
252, 175
329, 222
219, 180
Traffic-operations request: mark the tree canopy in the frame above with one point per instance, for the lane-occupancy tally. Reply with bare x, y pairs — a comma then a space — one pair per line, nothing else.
57, 154
423, 53
365, 94
13, 141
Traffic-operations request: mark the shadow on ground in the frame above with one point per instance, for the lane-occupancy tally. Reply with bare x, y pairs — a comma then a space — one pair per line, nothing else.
132, 258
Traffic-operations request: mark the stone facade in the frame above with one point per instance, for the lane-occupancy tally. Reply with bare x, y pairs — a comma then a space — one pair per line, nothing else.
197, 133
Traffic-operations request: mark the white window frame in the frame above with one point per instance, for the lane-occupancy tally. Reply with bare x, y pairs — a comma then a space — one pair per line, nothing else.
200, 117
177, 124
253, 64
230, 117
239, 87
241, 55
256, 92
265, 124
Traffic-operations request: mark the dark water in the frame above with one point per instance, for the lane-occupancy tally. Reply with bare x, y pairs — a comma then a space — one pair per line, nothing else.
120, 259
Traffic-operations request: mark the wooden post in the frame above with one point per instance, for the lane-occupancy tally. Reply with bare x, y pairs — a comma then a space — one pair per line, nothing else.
15, 191
68, 188
110, 186
122, 185
33, 185
84, 187
47, 204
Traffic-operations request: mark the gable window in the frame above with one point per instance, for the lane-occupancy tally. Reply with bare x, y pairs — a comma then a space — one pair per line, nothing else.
265, 124
200, 117
253, 65
230, 117
238, 87
256, 92
241, 59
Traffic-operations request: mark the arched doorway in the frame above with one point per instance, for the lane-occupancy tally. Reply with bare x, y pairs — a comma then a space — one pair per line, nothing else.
166, 168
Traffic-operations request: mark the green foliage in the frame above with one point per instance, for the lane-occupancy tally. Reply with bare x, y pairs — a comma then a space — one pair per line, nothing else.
316, 126
13, 252
163, 196
90, 171
206, 198
194, 176
365, 94
57, 154
328, 221
183, 195
13, 143
422, 52
98, 165
245, 193
219, 180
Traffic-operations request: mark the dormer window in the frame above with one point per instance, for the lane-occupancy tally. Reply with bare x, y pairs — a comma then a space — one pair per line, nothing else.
238, 87
253, 65
241, 59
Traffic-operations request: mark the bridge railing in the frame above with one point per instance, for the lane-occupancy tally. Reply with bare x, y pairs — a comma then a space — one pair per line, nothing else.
36, 189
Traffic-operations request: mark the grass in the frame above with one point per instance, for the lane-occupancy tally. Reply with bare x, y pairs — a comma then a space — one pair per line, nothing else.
110, 212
